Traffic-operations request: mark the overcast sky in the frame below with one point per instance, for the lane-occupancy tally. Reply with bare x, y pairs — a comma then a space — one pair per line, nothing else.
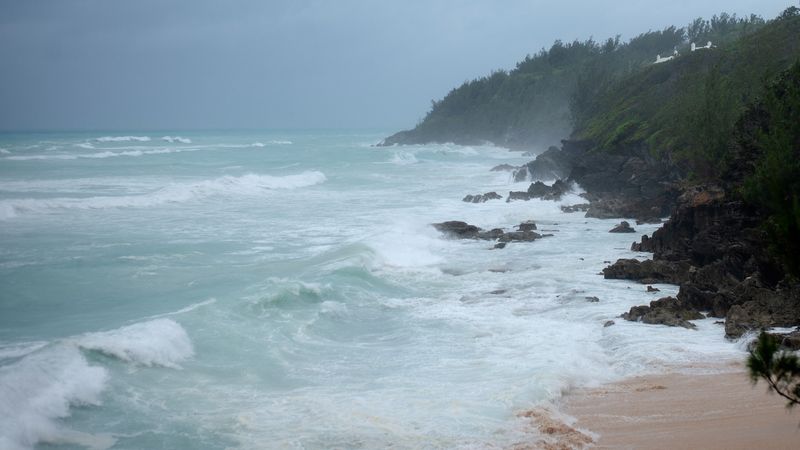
190, 64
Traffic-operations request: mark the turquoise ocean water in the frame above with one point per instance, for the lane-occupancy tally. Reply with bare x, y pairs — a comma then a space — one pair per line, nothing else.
286, 290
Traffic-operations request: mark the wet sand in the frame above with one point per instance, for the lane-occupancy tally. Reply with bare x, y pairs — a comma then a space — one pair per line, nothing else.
679, 411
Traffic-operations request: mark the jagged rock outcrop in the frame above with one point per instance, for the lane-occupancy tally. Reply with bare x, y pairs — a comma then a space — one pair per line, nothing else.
457, 229
730, 271
581, 207
648, 271
668, 311
482, 198
503, 168
541, 191
623, 227
550, 165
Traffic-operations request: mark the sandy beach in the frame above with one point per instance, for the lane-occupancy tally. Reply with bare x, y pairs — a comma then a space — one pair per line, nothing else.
680, 411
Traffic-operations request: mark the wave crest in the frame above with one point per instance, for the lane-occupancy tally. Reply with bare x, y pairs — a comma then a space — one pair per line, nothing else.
123, 139
226, 186
159, 342
41, 388
179, 139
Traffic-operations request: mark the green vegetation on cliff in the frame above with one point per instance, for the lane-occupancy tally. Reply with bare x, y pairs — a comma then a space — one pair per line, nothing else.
684, 110
774, 187
541, 100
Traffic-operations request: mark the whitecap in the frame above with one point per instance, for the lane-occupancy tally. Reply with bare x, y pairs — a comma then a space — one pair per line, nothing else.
179, 139
280, 142
403, 159
41, 388
159, 342
257, 144
245, 185
100, 155
18, 349
123, 139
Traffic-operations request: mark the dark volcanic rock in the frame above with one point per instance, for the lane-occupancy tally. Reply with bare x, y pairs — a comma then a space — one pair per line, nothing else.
520, 174
758, 307
519, 236
608, 323
575, 208
503, 168
623, 227
545, 192
648, 271
458, 229
492, 234
592, 299
517, 195
788, 341
664, 311
481, 198
528, 225
653, 289
628, 182
550, 165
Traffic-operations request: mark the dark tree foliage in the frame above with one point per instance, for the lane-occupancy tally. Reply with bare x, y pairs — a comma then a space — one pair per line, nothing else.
780, 369
684, 111
553, 92
775, 185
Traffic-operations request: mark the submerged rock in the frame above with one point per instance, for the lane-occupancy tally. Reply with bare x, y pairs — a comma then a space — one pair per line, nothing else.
581, 207
503, 168
623, 227
517, 195
519, 236
528, 225
458, 229
482, 198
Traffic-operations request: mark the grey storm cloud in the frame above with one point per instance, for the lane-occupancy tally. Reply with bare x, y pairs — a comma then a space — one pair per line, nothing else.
108, 64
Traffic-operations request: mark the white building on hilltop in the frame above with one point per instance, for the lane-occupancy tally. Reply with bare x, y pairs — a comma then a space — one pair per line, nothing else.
660, 60
707, 46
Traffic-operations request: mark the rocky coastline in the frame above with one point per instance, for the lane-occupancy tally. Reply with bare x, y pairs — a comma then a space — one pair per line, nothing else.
711, 245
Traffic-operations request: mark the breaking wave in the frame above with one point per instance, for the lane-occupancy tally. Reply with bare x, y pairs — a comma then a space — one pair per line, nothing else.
100, 155
245, 185
41, 388
179, 139
122, 139
160, 342
50, 379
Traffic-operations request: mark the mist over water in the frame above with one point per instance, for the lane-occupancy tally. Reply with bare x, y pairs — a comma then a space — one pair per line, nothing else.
286, 290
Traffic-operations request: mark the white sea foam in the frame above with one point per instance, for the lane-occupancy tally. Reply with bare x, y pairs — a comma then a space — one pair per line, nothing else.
403, 158
17, 349
257, 144
179, 139
100, 155
123, 139
280, 142
4, 151
41, 388
159, 342
229, 186
86, 145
